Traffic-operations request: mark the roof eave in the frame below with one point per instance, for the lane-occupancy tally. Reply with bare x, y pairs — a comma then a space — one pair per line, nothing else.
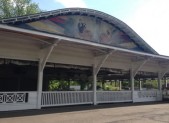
6, 27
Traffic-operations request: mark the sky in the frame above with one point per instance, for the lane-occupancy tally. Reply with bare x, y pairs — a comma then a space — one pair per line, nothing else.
148, 18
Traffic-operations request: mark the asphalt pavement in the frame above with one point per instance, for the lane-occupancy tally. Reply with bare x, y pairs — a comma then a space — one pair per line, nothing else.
154, 112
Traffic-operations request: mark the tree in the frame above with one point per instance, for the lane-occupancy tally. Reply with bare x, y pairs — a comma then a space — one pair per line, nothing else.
12, 8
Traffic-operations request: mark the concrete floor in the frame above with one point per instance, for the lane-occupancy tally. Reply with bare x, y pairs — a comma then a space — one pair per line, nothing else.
111, 113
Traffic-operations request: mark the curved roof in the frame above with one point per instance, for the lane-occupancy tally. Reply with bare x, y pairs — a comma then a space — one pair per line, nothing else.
83, 12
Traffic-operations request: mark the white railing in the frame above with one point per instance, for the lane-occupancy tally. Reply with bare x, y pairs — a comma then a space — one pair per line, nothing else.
113, 96
56, 98
13, 97
147, 95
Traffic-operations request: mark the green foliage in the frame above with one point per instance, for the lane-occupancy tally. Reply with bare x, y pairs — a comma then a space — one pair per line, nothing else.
64, 85
107, 86
56, 85
150, 84
53, 85
73, 83
11, 8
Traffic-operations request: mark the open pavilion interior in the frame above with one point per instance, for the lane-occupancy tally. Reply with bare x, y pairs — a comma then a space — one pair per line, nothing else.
21, 75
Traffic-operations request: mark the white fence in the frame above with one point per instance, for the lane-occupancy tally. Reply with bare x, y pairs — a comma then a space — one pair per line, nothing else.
148, 95
57, 98
17, 100
28, 100
113, 96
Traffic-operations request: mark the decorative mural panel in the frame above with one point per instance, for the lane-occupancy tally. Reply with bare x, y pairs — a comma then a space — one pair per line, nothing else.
84, 27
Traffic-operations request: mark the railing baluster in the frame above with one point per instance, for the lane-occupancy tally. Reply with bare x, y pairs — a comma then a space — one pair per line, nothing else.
113, 96
147, 94
55, 98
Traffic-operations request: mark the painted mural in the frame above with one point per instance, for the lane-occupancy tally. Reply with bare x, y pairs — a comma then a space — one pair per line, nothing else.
84, 27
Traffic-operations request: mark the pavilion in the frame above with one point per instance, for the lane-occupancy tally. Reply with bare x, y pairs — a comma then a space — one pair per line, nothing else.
73, 56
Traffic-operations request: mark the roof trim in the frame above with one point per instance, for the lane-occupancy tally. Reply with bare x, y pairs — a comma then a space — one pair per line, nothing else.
82, 11
81, 41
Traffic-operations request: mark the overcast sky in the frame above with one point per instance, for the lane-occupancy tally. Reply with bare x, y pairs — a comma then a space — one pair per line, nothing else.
149, 18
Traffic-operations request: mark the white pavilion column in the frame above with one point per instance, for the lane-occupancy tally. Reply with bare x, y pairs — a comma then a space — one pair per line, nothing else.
40, 84
120, 85
140, 85
96, 68
159, 94
159, 81
165, 82
132, 83
44, 55
94, 85
133, 73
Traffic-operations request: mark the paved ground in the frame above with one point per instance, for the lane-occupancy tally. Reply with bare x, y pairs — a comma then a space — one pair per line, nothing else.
111, 113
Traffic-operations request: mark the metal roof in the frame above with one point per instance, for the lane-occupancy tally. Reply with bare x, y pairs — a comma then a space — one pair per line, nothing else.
86, 12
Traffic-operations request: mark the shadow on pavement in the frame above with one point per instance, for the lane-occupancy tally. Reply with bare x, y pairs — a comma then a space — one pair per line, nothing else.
62, 109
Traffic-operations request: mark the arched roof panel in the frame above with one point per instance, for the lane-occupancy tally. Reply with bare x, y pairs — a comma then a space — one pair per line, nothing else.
86, 24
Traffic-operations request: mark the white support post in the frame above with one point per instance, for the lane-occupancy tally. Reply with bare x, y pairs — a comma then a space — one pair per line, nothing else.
94, 86
166, 82
161, 74
133, 73
39, 86
159, 94
132, 83
96, 69
120, 85
159, 81
42, 63
140, 85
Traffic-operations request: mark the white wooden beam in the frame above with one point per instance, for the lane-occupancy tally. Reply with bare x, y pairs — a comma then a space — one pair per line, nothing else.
163, 72
102, 61
140, 66
47, 53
